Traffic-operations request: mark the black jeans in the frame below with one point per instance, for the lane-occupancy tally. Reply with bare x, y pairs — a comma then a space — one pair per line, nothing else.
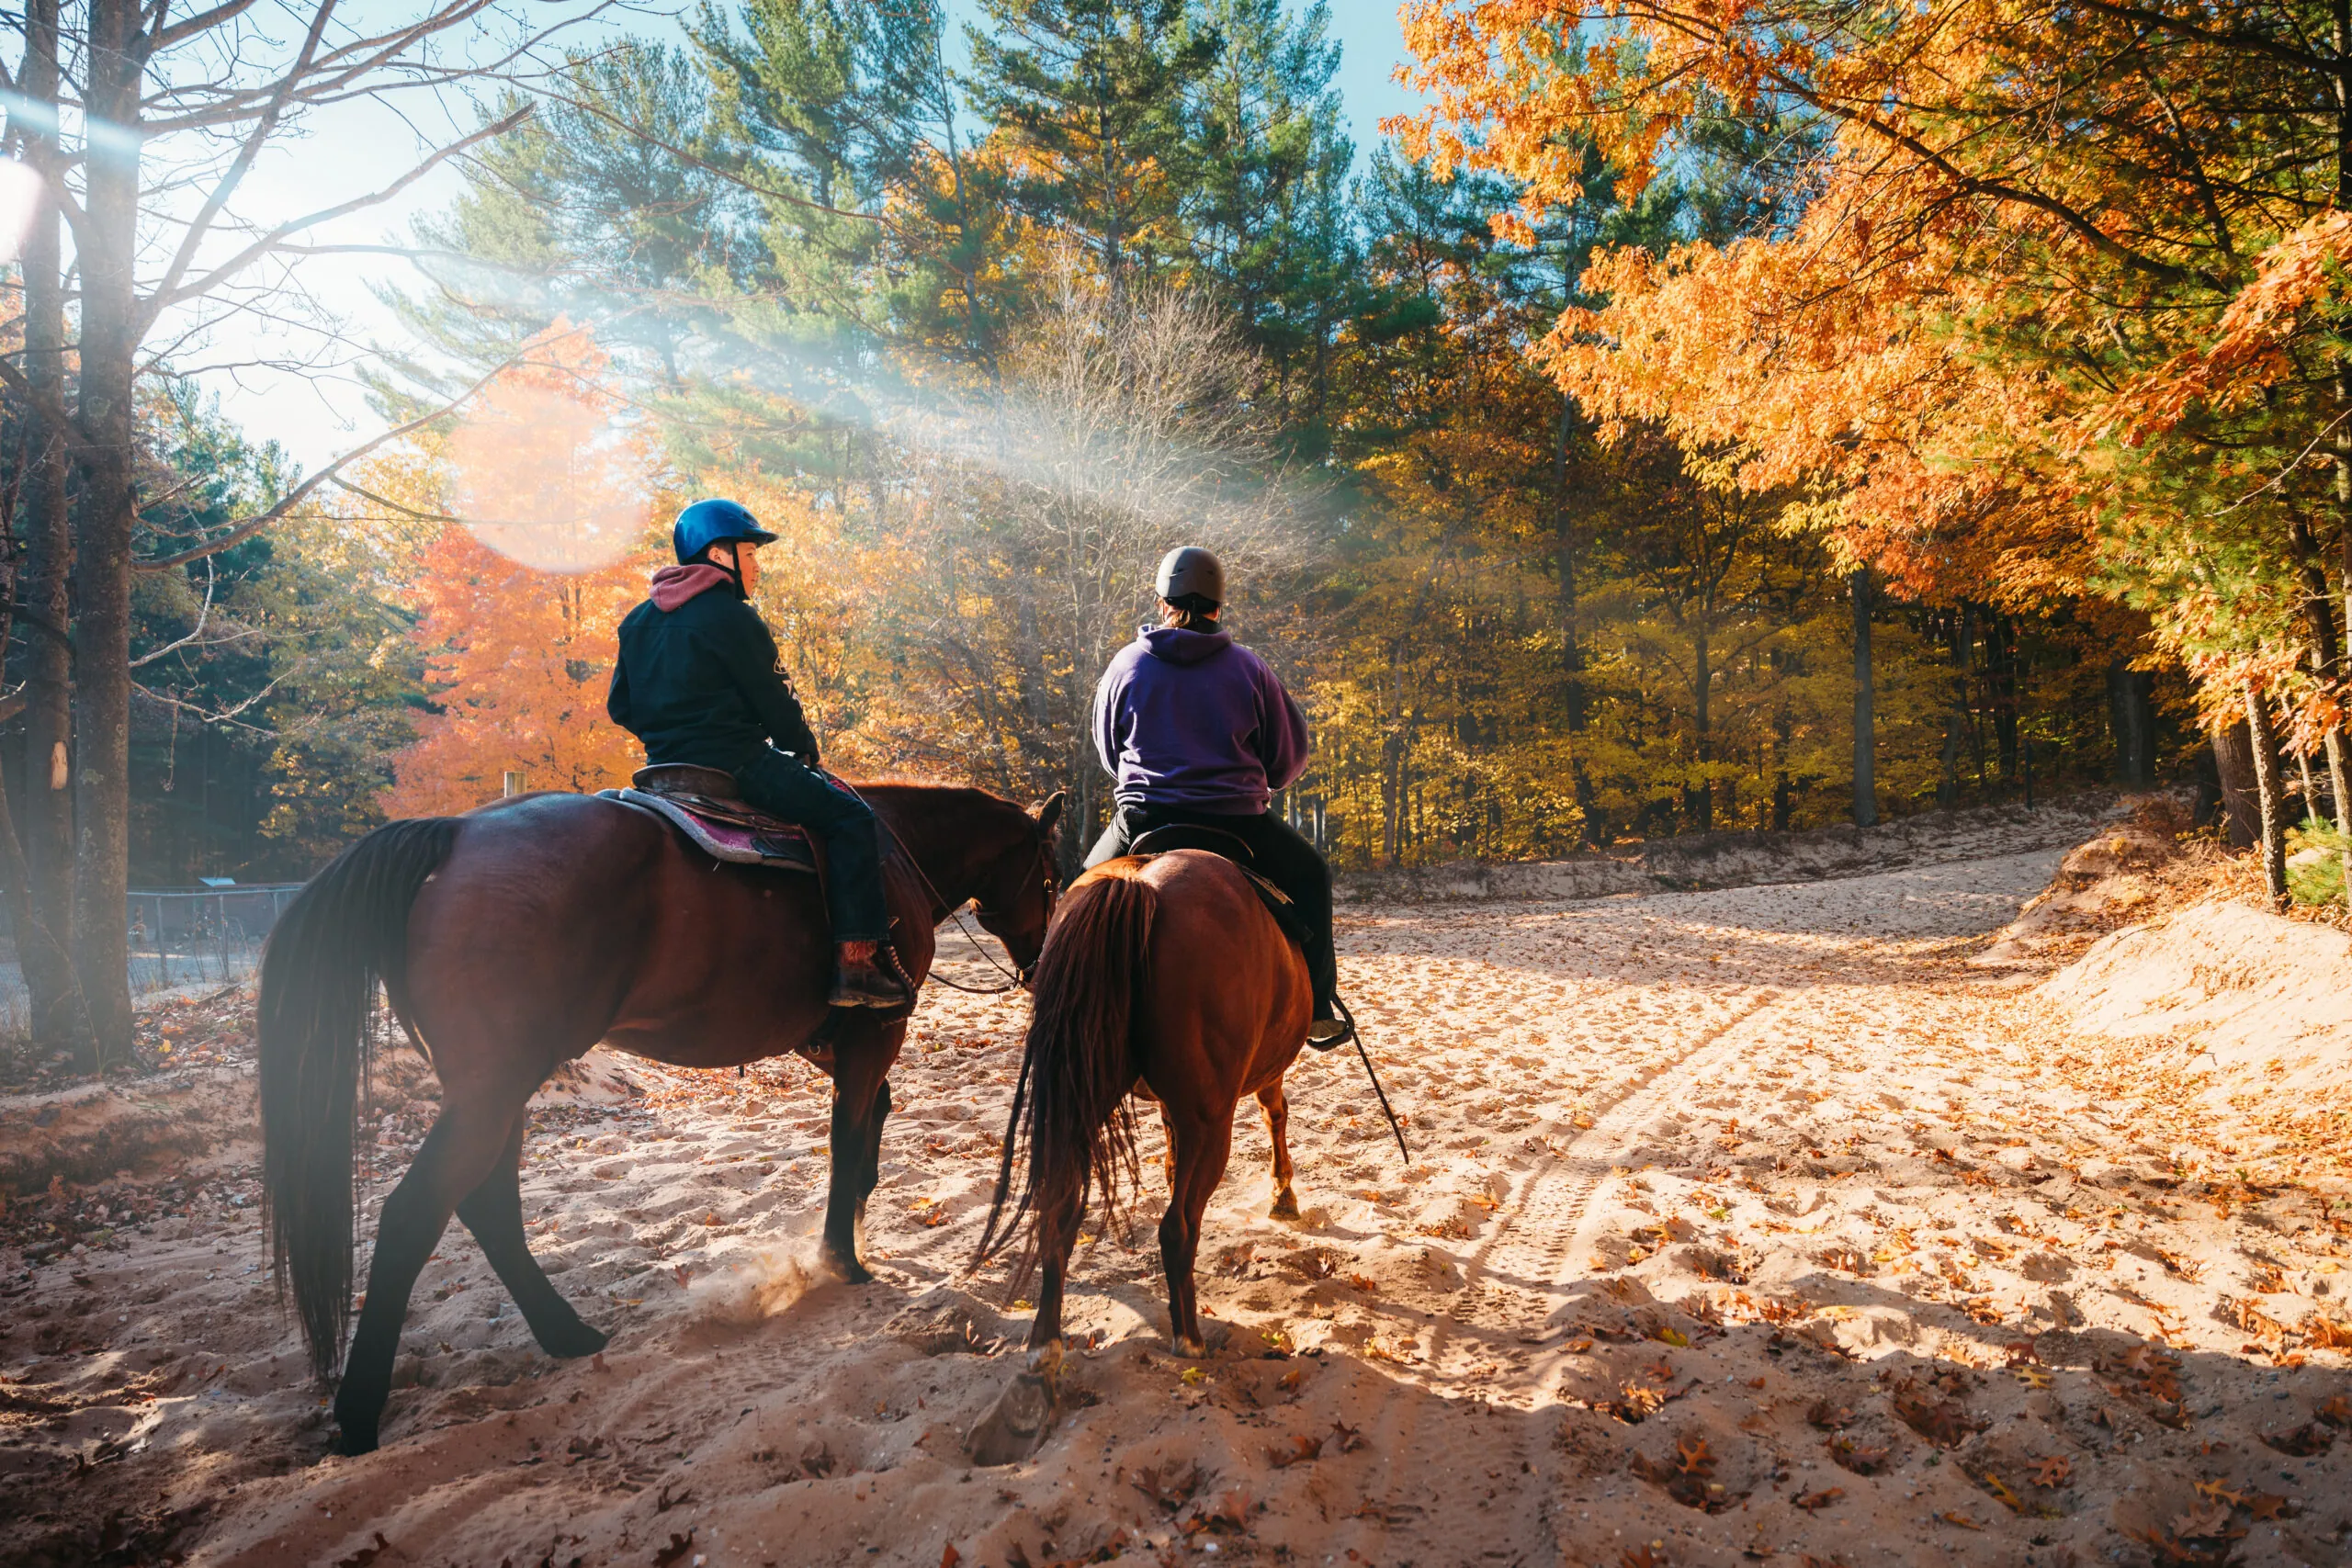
1278, 854
791, 789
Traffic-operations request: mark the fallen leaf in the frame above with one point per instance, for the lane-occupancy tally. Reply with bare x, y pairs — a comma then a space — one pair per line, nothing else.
1170, 1485
1851, 1455
1300, 1451
2207, 1519
2306, 1441
2001, 1490
1956, 1518
1943, 1423
2053, 1470
1813, 1502
1351, 1437
950, 1557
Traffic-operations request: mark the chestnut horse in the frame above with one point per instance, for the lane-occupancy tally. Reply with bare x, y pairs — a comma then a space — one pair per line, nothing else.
1165, 977
512, 939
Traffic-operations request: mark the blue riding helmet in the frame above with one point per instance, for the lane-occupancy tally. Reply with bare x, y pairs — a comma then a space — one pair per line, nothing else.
714, 522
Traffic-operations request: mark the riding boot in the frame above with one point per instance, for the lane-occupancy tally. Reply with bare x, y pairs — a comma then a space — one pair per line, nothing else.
859, 981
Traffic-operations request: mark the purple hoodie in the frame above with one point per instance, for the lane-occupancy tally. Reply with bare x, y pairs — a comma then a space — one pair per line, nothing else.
1194, 719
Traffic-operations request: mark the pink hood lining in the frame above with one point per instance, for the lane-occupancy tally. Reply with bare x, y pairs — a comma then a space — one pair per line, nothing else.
673, 585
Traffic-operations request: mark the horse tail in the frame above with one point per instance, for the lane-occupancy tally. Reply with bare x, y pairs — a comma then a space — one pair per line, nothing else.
1069, 1108
344, 931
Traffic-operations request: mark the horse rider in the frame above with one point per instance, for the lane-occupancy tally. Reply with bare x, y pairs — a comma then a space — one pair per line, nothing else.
1197, 730
699, 681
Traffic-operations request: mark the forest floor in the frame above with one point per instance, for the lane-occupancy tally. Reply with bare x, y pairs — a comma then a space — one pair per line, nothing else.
1757, 1224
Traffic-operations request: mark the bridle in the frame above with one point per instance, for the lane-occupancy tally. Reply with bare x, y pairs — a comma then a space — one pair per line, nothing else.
1014, 980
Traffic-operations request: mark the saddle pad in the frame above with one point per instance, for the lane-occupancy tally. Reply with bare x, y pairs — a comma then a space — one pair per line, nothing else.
771, 843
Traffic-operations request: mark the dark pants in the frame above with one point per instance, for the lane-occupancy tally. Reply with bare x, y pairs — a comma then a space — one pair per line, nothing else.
1277, 854
791, 789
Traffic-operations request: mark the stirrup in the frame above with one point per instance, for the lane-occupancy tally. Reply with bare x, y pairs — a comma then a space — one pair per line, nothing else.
869, 986
1324, 1033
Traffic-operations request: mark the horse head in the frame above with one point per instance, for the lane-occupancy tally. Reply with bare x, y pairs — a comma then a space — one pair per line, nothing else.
1015, 902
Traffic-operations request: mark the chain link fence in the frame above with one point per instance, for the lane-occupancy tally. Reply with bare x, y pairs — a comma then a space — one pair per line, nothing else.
181, 939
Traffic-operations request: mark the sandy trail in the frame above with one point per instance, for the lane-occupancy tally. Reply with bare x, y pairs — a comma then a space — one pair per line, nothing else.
1743, 1224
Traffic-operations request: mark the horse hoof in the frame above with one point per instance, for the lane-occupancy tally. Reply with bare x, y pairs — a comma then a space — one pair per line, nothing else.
570, 1344
1190, 1350
1017, 1424
355, 1440
1285, 1206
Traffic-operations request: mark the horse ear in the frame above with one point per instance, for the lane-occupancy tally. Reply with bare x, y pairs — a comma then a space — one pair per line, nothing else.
1051, 813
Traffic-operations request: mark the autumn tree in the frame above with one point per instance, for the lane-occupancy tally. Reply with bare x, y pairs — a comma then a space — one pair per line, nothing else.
1976, 323
547, 544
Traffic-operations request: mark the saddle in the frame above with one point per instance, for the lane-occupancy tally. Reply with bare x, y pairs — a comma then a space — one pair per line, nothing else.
705, 805
1232, 846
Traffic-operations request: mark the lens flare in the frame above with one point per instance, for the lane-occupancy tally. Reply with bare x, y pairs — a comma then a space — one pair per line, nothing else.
20, 194
548, 478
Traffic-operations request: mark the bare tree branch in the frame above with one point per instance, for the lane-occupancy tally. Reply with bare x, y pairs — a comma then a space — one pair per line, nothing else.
214, 279
264, 127
302, 492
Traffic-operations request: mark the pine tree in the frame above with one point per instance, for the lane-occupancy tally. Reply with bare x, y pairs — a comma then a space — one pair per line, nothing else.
1267, 208
1093, 100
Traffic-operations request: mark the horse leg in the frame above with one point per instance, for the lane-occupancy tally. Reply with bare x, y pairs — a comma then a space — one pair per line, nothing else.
1277, 1107
861, 1058
1201, 1147
1023, 1413
456, 1156
493, 1212
1057, 1234
869, 1173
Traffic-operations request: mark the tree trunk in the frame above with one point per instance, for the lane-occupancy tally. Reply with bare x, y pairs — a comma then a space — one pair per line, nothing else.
2130, 709
109, 508
2001, 643
1564, 546
2240, 801
1865, 786
44, 918
2270, 796
1700, 803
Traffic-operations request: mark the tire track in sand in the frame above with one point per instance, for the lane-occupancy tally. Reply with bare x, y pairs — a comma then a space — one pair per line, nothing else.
1513, 1286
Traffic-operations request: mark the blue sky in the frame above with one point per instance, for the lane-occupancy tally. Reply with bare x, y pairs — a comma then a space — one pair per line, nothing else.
318, 415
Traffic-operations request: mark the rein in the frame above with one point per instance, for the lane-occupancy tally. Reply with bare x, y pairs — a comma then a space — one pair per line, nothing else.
1013, 979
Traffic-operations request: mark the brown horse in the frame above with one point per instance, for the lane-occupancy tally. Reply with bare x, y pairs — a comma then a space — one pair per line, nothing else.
514, 937
1167, 978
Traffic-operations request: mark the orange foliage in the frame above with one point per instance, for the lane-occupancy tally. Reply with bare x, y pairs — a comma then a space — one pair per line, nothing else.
2007, 356
519, 658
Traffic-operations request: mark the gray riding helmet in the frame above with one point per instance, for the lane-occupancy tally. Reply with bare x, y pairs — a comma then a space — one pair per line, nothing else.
1192, 570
